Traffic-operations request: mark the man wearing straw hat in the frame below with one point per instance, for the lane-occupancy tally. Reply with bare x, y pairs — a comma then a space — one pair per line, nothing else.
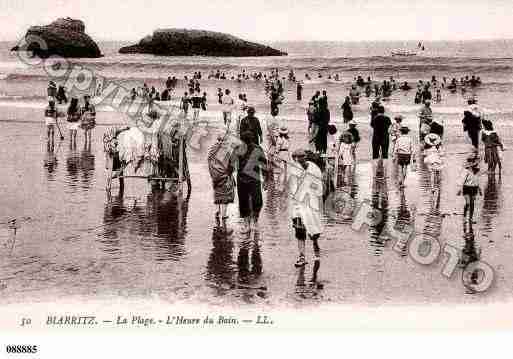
305, 196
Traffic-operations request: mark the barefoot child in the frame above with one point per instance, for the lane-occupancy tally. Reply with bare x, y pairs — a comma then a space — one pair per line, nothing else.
282, 146
433, 157
470, 187
355, 136
344, 160
395, 132
404, 152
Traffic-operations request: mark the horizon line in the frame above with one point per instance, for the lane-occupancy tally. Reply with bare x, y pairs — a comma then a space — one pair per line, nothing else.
334, 41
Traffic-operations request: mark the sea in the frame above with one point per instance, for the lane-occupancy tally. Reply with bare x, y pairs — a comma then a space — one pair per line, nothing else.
23, 85
69, 239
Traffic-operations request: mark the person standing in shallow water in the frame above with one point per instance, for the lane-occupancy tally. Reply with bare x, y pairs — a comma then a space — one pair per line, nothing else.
323, 114
347, 111
220, 159
251, 124
73, 121
380, 136
252, 167
50, 122
470, 187
299, 91
305, 195
88, 119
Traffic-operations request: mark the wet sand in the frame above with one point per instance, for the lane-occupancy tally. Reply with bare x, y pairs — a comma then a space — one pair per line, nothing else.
71, 241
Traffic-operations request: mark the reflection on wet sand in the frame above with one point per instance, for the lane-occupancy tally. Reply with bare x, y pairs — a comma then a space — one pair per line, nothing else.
50, 160
310, 289
245, 274
432, 222
86, 165
220, 265
492, 202
72, 166
405, 219
162, 218
470, 252
379, 202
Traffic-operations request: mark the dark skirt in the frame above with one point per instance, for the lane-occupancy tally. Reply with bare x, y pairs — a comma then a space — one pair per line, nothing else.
116, 162
250, 198
321, 140
491, 156
224, 191
470, 190
403, 159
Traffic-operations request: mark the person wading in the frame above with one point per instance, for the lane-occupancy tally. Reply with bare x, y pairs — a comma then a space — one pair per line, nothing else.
251, 124
380, 136
88, 119
73, 121
305, 196
220, 166
252, 165
324, 119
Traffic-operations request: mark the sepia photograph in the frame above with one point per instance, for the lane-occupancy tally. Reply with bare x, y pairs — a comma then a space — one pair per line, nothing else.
233, 164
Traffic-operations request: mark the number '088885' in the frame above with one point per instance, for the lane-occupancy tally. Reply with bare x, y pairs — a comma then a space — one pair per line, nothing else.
21, 349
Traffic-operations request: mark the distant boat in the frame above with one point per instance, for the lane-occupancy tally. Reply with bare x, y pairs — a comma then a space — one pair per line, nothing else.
403, 53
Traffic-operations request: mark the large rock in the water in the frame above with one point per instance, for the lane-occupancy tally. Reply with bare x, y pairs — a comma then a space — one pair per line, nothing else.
183, 42
63, 37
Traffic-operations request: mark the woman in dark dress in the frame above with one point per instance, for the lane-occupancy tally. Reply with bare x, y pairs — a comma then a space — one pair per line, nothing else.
347, 111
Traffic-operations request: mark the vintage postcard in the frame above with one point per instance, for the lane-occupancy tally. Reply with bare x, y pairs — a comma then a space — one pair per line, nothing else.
254, 166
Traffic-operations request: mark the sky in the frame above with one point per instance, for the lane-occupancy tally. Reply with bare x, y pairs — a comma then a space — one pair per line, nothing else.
268, 21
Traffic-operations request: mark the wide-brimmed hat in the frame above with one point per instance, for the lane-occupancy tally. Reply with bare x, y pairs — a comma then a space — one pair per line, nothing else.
352, 123
52, 84
332, 129
432, 139
284, 131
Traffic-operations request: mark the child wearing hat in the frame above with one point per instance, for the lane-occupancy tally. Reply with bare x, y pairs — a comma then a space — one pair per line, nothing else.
433, 157
344, 160
332, 141
404, 152
470, 186
282, 146
395, 131
356, 137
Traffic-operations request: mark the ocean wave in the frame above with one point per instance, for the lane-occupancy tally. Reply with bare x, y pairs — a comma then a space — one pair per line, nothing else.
141, 68
214, 109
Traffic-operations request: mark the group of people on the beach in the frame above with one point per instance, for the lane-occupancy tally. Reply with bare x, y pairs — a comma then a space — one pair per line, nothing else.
77, 116
330, 158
